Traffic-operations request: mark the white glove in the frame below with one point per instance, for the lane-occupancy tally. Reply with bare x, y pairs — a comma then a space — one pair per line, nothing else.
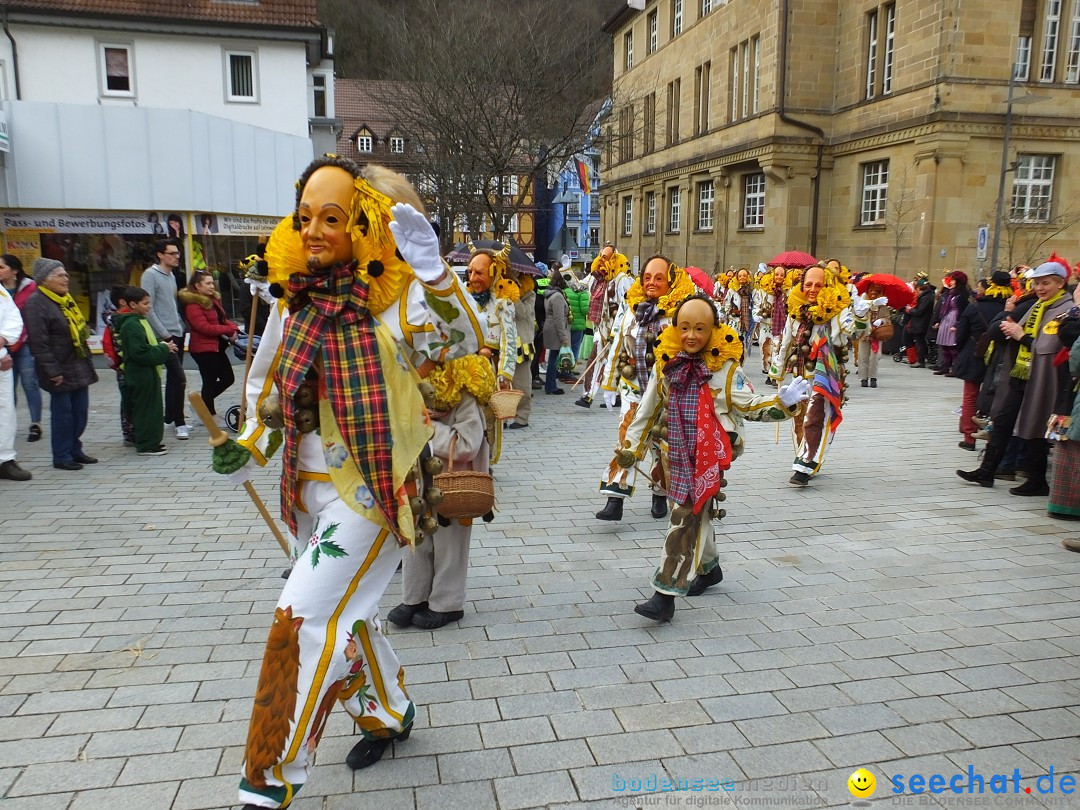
564, 262
878, 322
794, 392
417, 242
261, 289
880, 302
761, 268
238, 477
861, 307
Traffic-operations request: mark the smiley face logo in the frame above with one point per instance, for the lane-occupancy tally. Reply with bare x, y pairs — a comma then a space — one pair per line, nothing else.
862, 783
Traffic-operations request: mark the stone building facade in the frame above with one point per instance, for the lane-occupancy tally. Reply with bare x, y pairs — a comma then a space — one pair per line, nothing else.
869, 130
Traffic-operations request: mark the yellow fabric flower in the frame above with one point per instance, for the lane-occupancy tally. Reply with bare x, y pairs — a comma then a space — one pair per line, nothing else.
508, 289
767, 283
998, 291
724, 345
471, 373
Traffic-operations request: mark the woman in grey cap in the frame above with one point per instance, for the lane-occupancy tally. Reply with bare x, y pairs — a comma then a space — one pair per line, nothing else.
58, 340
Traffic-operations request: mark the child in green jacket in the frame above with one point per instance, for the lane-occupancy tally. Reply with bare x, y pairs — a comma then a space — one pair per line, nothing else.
143, 353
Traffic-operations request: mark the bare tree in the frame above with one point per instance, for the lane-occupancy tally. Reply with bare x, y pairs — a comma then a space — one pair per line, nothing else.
900, 210
1026, 238
491, 94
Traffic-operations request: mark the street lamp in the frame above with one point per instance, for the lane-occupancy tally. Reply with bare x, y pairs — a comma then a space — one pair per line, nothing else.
1028, 98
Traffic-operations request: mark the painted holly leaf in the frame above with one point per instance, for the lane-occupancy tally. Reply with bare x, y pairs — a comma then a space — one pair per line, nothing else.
315, 556
332, 549
329, 531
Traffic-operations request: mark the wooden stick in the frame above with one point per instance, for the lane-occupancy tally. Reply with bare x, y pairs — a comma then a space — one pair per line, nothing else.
218, 438
585, 373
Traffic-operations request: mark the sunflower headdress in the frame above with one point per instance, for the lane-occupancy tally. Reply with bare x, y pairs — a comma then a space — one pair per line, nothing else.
682, 287
766, 283
833, 299
615, 266
374, 250
793, 277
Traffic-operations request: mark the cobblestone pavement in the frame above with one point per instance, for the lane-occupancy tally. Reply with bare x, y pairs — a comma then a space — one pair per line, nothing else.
889, 616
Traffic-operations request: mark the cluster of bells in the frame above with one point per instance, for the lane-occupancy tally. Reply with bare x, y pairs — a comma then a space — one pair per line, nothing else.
421, 505
628, 365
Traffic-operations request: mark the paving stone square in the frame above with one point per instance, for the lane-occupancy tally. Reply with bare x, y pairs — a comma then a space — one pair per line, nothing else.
888, 616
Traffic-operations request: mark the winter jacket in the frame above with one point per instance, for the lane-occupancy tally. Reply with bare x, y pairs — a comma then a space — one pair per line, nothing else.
1074, 369
919, 320
556, 320
207, 321
54, 351
141, 356
971, 325
21, 294
579, 309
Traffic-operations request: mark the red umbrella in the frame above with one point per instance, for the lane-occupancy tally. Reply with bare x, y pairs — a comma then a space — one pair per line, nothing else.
896, 289
793, 258
701, 279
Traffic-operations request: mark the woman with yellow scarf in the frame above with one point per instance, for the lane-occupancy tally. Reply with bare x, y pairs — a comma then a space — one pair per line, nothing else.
1032, 380
58, 340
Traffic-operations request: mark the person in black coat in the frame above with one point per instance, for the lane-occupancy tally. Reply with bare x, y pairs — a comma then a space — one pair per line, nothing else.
970, 364
919, 319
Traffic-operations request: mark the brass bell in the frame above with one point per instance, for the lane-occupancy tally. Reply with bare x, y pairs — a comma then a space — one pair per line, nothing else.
655, 431
804, 350
306, 420
628, 371
721, 496
664, 419
270, 415
434, 496
664, 433
429, 525
721, 513
306, 396
723, 482
416, 504
433, 465
650, 358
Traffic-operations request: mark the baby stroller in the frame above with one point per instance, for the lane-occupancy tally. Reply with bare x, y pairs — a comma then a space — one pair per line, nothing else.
232, 416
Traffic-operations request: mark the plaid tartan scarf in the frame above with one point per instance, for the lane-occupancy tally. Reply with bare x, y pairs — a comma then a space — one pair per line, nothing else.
648, 319
746, 303
329, 322
779, 312
686, 374
597, 296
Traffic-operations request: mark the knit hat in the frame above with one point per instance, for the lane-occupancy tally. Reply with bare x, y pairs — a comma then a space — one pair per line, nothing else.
43, 268
959, 276
1044, 269
1001, 278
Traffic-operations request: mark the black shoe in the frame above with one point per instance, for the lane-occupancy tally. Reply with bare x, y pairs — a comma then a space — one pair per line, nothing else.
603, 404
403, 614
367, 752
432, 619
705, 581
612, 510
35, 433
515, 426
67, 465
873, 382
584, 402
85, 459
1031, 488
966, 445
13, 472
940, 372
618, 401
865, 383
285, 573
799, 479
555, 391
659, 506
660, 608
979, 477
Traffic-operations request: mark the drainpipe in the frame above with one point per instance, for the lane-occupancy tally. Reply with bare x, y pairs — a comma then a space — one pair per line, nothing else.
14, 56
787, 119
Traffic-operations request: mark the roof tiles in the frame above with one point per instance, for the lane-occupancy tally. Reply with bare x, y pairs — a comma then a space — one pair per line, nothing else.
278, 13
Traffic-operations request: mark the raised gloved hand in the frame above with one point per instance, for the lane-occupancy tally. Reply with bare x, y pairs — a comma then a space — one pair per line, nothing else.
625, 458
861, 307
417, 242
261, 288
880, 302
794, 392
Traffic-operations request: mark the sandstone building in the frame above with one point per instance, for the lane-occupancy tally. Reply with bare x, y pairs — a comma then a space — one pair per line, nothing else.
869, 130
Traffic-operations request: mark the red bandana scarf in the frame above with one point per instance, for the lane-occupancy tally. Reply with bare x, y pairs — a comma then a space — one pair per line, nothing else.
330, 323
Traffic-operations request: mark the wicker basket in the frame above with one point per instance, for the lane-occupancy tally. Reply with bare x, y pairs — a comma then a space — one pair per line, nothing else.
466, 493
504, 404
